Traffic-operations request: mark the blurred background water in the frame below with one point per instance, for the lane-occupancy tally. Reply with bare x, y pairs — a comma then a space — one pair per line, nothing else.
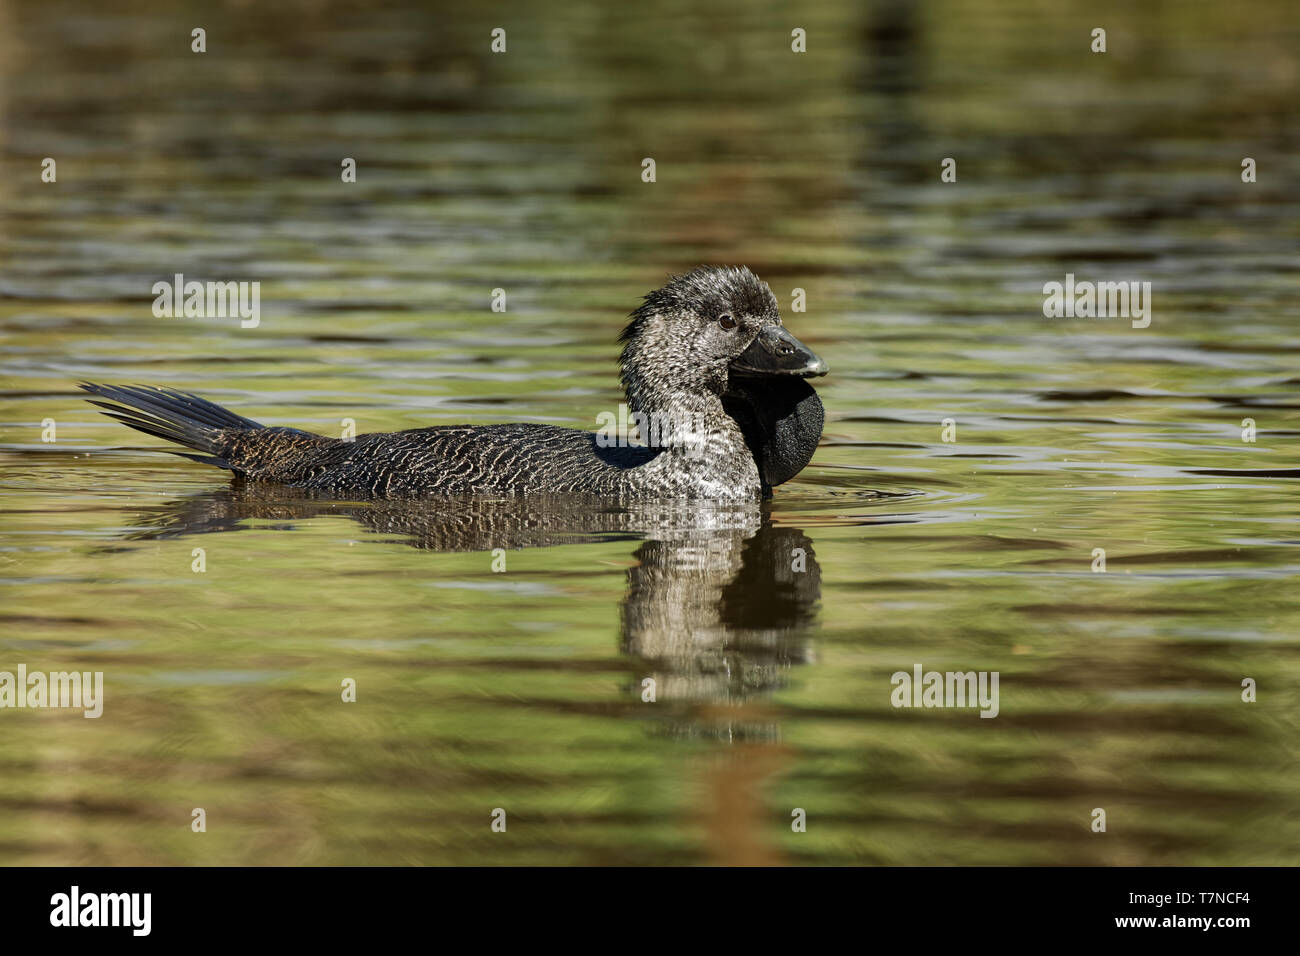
522, 690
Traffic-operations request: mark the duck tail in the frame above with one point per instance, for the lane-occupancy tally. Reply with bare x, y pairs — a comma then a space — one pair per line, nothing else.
173, 416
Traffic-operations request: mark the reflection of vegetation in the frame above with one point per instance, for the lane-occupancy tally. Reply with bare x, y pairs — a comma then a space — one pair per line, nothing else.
716, 599
522, 689
713, 612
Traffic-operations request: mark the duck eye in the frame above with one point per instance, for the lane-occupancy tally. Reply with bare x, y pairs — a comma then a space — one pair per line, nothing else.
727, 322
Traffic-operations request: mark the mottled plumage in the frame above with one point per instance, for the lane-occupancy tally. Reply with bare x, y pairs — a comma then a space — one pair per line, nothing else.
705, 358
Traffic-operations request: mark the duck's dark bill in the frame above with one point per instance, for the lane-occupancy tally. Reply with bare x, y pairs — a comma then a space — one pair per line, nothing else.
775, 351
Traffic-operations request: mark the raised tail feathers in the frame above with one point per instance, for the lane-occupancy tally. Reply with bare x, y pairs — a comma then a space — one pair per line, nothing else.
173, 416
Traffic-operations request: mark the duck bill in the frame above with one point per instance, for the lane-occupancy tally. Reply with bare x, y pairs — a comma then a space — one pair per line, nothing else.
776, 352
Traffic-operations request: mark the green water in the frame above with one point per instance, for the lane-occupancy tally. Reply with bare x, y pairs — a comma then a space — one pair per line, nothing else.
522, 690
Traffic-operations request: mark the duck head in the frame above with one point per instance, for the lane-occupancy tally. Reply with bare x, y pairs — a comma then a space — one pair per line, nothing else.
716, 332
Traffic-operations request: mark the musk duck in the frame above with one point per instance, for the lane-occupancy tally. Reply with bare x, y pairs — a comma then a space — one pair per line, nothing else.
715, 384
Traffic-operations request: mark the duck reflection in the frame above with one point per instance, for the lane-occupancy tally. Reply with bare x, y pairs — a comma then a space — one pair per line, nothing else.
721, 616
718, 605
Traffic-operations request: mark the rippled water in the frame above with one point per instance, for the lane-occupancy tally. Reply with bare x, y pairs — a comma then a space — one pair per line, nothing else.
523, 690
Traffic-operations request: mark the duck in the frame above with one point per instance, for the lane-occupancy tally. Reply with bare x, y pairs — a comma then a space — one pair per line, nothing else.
706, 363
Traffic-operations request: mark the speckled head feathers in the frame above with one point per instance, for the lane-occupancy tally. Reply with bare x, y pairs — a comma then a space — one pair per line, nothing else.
708, 291
683, 336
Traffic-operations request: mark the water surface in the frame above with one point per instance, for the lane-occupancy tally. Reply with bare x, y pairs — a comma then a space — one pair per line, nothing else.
522, 689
